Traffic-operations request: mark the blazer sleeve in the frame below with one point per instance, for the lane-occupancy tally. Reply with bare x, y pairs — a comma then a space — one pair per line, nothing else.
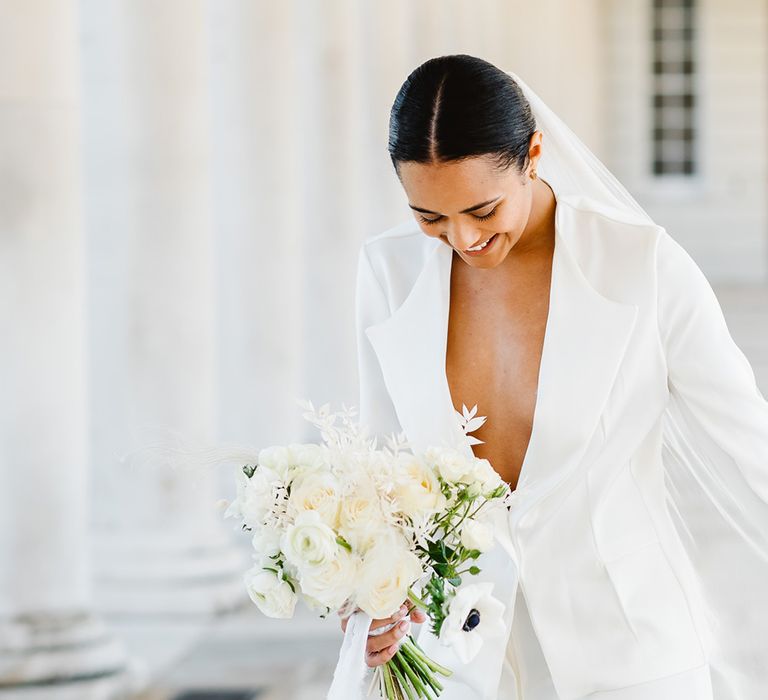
376, 409
707, 372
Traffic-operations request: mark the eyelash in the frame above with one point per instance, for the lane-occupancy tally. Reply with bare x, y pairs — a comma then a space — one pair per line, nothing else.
479, 218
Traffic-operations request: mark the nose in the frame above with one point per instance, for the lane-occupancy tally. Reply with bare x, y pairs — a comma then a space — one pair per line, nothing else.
464, 236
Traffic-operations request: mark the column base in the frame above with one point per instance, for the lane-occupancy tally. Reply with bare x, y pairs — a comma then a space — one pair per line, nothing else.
61, 656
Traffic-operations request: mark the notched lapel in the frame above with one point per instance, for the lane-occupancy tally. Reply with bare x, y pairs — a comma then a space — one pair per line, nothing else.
586, 337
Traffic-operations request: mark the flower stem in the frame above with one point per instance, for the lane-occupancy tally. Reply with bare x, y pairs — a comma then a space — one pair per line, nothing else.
400, 675
416, 674
388, 682
416, 600
415, 650
430, 683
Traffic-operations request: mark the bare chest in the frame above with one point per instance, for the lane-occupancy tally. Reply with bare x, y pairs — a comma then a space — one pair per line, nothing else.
493, 355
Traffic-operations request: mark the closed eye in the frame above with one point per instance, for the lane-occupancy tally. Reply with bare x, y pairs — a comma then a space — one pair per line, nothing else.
479, 218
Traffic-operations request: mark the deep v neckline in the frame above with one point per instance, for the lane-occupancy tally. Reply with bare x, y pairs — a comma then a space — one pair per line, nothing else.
535, 419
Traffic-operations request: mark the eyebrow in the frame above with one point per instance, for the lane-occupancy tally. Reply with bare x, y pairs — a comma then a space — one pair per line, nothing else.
463, 211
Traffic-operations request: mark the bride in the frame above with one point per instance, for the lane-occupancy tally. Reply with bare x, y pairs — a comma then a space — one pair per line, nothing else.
620, 411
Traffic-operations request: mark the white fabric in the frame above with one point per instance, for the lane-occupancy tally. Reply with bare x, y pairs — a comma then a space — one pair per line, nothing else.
715, 444
525, 675
350, 671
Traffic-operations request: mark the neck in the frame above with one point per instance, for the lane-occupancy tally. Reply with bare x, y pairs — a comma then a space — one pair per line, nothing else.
540, 228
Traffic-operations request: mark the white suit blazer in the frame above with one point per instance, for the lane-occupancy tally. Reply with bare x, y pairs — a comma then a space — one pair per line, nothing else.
611, 595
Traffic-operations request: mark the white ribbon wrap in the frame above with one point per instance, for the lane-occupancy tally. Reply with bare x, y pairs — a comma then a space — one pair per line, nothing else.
350, 669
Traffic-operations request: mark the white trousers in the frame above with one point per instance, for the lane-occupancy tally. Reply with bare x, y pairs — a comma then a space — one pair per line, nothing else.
535, 682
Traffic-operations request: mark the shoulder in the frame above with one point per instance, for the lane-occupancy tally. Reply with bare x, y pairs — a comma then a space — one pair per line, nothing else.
615, 249
601, 224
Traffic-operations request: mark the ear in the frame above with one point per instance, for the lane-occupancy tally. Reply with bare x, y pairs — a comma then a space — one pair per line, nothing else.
534, 150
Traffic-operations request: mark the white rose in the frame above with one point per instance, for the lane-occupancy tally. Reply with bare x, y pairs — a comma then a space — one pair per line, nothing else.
309, 541
273, 595
307, 456
388, 570
333, 582
474, 617
276, 458
417, 489
476, 535
316, 491
452, 465
360, 517
488, 478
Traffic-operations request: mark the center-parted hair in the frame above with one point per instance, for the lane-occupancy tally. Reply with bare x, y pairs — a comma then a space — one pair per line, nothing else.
458, 106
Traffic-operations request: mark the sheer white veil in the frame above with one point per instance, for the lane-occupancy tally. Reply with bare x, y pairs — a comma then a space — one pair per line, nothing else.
572, 168
722, 522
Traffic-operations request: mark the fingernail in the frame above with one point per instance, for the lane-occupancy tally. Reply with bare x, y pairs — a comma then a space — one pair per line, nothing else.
403, 625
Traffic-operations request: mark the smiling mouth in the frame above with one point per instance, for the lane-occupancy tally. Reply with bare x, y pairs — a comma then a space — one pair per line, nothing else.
481, 245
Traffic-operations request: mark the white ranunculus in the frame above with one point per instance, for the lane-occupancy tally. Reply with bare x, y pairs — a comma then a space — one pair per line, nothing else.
316, 491
330, 584
360, 517
476, 535
451, 464
473, 604
309, 541
388, 569
273, 595
417, 489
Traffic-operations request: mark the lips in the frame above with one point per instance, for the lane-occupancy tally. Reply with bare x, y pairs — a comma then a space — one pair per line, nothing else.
487, 242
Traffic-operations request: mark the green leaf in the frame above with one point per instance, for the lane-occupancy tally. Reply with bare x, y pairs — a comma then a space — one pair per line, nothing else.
436, 552
444, 570
341, 541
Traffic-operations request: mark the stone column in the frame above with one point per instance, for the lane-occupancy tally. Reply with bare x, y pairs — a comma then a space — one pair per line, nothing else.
161, 545
49, 636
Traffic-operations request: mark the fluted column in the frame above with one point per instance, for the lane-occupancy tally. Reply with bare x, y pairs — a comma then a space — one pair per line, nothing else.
161, 545
48, 634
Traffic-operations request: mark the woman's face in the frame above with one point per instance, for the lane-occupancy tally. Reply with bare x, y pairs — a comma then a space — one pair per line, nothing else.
465, 203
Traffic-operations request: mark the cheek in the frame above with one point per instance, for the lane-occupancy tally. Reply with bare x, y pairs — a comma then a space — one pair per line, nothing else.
513, 221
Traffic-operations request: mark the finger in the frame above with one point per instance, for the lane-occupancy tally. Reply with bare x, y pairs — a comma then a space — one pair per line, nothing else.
418, 616
397, 615
381, 657
382, 641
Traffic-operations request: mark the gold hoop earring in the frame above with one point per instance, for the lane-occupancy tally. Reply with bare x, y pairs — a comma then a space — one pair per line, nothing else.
533, 174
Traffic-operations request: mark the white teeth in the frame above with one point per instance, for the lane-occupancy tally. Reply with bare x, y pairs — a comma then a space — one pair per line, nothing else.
481, 246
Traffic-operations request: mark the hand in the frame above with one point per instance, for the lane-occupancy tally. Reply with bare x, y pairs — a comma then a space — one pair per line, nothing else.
382, 647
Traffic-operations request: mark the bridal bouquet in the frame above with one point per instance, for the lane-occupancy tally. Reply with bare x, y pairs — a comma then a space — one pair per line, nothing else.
349, 528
